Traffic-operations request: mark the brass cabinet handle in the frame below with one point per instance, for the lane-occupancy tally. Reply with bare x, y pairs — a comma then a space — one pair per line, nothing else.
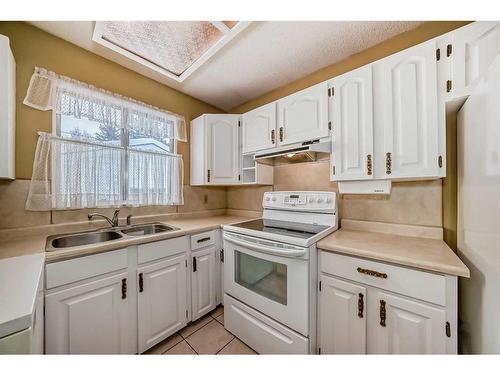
388, 163
141, 283
273, 140
369, 164
382, 313
361, 305
281, 134
124, 288
372, 273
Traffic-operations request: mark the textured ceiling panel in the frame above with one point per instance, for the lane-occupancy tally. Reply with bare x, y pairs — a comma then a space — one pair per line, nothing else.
172, 45
264, 56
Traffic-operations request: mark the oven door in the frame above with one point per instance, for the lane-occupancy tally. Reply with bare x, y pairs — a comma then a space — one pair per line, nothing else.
269, 276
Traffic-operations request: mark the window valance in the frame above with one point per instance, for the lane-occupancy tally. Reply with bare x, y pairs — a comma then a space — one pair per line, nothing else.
49, 91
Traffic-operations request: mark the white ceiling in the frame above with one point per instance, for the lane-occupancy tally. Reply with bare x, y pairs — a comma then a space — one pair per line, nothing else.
265, 56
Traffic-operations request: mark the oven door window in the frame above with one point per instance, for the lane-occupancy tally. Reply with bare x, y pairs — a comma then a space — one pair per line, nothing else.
266, 278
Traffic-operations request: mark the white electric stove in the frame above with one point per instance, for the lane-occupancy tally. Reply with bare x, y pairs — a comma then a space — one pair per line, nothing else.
270, 271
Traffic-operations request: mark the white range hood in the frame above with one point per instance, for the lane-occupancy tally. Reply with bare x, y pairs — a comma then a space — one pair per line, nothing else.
317, 145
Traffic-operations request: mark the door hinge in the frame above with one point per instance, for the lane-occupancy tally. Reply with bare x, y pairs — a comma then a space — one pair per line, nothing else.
369, 164
388, 163
331, 91
194, 264
448, 85
333, 170
186, 261
329, 125
319, 351
221, 255
186, 314
449, 50
438, 54
448, 329
320, 286
124, 288
440, 161
208, 175
239, 177
239, 123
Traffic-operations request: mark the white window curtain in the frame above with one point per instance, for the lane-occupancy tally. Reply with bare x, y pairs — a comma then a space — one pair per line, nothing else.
78, 173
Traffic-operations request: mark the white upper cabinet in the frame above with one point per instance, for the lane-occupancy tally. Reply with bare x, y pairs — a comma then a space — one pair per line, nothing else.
342, 317
403, 326
215, 150
162, 300
351, 114
472, 49
259, 128
407, 87
303, 116
7, 109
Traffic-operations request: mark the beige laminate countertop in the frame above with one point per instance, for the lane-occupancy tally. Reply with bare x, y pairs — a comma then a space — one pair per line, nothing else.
18, 245
423, 253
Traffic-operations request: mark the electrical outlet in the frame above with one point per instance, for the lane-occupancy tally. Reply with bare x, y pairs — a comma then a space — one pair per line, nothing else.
205, 199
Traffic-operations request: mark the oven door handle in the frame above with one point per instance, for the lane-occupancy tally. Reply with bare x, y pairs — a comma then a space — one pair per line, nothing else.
265, 249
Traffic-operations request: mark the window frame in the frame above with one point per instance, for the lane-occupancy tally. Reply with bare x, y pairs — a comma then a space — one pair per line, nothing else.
124, 143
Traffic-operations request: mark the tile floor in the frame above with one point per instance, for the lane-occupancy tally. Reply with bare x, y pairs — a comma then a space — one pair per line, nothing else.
205, 336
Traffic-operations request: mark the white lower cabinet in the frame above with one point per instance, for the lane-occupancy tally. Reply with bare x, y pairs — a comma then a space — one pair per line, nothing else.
90, 318
405, 326
203, 281
342, 317
366, 314
162, 300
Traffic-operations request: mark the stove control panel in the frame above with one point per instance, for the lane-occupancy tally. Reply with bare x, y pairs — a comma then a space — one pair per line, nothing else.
317, 201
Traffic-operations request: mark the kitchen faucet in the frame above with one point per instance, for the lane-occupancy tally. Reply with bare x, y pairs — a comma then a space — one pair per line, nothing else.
113, 222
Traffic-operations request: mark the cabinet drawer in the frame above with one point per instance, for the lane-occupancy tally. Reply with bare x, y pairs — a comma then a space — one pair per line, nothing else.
202, 240
69, 271
409, 282
162, 249
261, 333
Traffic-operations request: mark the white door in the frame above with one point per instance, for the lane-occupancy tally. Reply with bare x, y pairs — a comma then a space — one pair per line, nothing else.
223, 149
472, 51
303, 116
203, 282
352, 125
259, 128
92, 318
408, 90
162, 305
342, 317
399, 325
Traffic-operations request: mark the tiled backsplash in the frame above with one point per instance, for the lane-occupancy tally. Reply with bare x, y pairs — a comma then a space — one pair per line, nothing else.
13, 198
414, 203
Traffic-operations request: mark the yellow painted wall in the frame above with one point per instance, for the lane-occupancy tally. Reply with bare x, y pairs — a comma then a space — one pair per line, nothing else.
400, 42
34, 47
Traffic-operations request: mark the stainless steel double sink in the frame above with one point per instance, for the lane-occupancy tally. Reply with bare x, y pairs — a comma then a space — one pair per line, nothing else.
63, 241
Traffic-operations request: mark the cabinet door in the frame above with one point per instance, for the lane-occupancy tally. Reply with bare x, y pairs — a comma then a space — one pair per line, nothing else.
91, 318
203, 282
342, 317
259, 128
473, 50
222, 149
162, 305
303, 116
408, 91
352, 125
399, 325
